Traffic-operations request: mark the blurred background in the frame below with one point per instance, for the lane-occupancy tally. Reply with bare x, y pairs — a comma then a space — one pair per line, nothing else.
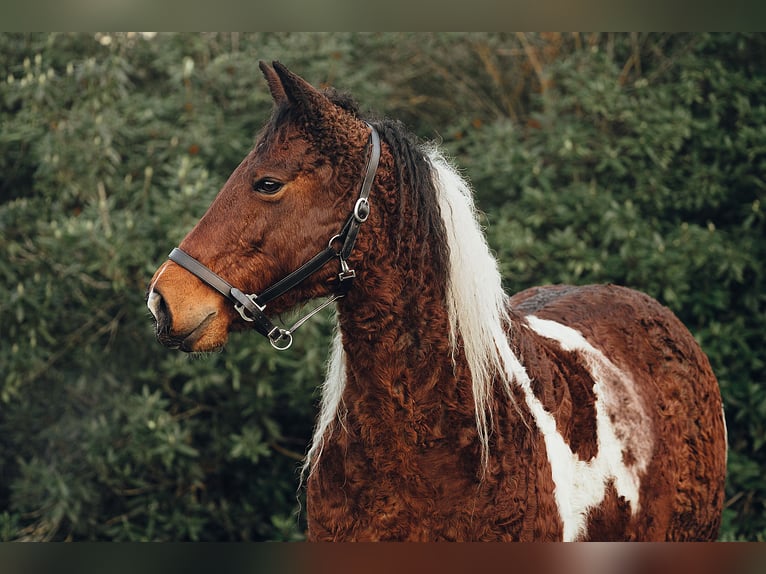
637, 159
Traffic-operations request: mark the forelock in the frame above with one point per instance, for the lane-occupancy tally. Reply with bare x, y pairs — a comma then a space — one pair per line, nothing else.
343, 100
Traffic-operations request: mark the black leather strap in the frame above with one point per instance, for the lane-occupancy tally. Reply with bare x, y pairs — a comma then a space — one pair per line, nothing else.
296, 277
190, 264
362, 207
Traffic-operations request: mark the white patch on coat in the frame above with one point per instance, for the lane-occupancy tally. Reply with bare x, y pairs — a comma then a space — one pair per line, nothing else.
622, 425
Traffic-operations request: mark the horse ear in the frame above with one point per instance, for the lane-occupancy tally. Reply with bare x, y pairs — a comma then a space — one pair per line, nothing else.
275, 84
299, 92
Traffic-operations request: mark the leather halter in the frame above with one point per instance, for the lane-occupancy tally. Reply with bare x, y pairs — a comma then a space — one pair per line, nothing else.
251, 307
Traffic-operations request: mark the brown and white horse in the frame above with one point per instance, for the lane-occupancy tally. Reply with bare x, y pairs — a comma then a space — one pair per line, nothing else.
450, 411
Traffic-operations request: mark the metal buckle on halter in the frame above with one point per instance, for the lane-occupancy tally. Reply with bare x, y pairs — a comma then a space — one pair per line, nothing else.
345, 272
241, 309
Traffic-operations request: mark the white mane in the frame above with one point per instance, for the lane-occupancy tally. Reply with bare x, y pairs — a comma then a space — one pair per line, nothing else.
477, 307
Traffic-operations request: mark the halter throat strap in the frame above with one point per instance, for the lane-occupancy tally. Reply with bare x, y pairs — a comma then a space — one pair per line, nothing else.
251, 307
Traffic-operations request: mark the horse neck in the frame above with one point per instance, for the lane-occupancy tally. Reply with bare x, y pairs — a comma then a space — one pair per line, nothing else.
400, 391
395, 324
403, 359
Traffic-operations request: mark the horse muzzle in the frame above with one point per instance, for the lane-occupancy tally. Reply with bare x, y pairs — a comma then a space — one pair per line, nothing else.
186, 317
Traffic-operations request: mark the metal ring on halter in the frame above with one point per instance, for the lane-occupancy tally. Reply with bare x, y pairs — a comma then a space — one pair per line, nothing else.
362, 209
333, 239
281, 334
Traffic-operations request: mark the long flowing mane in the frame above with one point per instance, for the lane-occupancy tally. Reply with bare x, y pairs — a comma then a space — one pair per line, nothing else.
475, 300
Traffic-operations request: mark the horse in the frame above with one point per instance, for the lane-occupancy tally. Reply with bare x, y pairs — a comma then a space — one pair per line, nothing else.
451, 411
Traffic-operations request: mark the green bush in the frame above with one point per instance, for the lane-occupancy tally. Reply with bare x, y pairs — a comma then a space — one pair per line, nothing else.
635, 159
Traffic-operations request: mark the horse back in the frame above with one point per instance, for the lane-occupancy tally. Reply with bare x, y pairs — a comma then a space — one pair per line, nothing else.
637, 402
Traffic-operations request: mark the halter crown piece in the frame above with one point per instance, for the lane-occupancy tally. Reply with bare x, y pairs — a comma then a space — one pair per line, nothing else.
251, 307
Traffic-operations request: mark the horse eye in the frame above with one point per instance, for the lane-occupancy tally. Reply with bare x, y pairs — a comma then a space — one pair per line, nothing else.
267, 186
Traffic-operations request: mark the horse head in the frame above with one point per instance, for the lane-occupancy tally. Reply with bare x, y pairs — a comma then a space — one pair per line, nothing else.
286, 201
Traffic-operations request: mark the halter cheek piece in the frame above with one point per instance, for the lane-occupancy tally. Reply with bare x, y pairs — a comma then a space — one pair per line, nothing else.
251, 307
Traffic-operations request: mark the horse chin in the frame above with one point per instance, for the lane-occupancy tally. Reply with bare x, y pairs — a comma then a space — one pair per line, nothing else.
208, 336
205, 338
201, 346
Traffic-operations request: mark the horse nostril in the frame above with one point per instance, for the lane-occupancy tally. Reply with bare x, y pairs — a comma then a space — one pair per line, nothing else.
158, 308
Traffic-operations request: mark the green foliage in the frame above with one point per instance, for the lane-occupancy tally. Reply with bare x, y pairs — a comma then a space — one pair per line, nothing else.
635, 159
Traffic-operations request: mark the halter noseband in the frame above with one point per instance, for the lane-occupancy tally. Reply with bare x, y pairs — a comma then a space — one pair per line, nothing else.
251, 307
